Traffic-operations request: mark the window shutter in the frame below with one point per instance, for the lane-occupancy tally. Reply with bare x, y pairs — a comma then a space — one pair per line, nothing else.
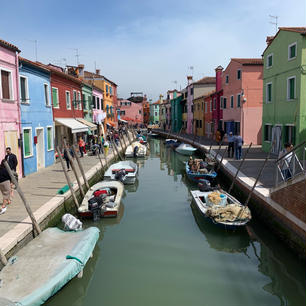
5, 84
54, 97
49, 130
26, 140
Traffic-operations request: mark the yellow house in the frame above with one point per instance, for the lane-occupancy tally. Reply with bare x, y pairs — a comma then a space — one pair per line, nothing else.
198, 116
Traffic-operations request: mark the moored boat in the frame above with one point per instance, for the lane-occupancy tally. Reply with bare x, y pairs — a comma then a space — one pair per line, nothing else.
102, 200
201, 174
123, 171
136, 149
221, 208
185, 149
169, 141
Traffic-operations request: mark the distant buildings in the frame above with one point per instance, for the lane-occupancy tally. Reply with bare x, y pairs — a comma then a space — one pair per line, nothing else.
130, 112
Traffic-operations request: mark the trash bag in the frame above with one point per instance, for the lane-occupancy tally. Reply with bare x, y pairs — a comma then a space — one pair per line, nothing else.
71, 223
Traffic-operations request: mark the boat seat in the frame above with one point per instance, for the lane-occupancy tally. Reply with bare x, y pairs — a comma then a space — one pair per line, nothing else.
101, 192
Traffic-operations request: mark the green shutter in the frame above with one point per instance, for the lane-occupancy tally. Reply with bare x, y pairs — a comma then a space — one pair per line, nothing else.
54, 97
292, 51
49, 130
26, 142
291, 88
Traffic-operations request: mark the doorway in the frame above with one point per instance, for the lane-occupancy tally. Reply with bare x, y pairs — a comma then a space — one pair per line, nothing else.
11, 140
40, 148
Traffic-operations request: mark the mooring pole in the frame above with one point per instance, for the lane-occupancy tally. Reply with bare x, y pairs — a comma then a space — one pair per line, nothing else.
21, 194
121, 145
74, 169
210, 147
100, 159
115, 148
239, 167
219, 165
80, 166
68, 178
128, 136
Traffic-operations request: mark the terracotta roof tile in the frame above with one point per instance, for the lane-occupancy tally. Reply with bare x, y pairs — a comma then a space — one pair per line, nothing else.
206, 80
88, 74
8, 45
249, 61
35, 64
301, 30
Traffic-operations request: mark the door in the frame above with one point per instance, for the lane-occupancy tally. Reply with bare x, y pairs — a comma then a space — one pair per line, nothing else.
276, 139
11, 140
40, 148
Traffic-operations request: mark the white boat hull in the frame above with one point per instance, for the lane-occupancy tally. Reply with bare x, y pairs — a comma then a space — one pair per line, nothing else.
185, 149
130, 168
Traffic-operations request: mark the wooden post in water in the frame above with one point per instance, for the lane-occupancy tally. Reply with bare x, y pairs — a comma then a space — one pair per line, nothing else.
74, 169
210, 147
239, 167
121, 145
80, 166
114, 146
68, 178
21, 194
219, 165
123, 140
100, 161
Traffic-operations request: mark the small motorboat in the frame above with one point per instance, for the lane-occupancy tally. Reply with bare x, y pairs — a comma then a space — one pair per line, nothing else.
151, 134
201, 174
136, 149
185, 149
45, 265
169, 141
221, 208
123, 171
102, 200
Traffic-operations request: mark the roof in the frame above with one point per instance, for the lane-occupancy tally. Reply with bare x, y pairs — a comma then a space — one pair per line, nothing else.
248, 61
8, 45
34, 64
206, 95
60, 73
88, 74
206, 80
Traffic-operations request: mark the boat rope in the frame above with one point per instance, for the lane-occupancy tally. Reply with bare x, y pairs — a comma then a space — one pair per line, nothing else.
77, 259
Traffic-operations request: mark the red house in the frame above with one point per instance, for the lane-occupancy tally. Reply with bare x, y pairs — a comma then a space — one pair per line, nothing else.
67, 106
217, 112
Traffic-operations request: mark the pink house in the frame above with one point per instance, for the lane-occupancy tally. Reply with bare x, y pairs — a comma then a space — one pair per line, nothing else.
215, 106
242, 98
131, 112
98, 112
10, 133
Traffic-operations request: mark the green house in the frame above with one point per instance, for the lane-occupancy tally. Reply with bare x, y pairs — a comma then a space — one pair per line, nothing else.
176, 114
88, 106
284, 89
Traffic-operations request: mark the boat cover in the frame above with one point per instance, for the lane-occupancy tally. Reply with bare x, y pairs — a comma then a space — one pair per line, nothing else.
45, 265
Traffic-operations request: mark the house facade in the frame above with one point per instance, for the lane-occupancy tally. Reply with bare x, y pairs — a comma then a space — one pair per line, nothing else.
154, 112
130, 111
284, 87
10, 130
36, 116
217, 112
241, 101
189, 104
208, 110
98, 109
176, 114
146, 111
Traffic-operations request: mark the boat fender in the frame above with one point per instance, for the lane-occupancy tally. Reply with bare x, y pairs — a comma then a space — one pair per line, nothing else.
136, 149
71, 223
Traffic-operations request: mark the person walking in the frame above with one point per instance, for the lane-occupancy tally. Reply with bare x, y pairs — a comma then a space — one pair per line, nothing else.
218, 136
230, 148
238, 146
81, 144
5, 187
11, 159
285, 162
66, 156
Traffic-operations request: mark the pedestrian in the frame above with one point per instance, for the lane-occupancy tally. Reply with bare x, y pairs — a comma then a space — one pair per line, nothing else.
238, 146
218, 136
81, 146
285, 162
230, 148
68, 149
5, 187
11, 159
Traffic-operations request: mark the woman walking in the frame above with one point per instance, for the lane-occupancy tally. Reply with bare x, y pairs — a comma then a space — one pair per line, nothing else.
5, 187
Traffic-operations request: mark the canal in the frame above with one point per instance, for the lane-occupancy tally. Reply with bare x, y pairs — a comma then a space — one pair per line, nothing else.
159, 251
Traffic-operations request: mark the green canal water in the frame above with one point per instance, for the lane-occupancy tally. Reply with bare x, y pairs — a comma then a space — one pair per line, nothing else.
159, 251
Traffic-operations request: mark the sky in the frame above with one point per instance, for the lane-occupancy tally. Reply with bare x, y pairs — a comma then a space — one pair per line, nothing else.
141, 45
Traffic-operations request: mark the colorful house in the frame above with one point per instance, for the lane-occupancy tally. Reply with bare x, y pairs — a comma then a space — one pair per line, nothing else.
189, 104
284, 88
10, 130
154, 112
208, 111
176, 113
98, 109
241, 101
36, 116
130, 111
146, 110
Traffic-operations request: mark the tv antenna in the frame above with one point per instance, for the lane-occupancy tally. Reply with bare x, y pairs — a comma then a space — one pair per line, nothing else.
35, 45
275, 22
191, 68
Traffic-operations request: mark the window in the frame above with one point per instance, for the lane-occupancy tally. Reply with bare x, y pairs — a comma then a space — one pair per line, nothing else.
192, 108
106, 88
237, 128
215, 103
46, 90
79, 100
232, 101
155, 113
238, 100
6, 85
27, 142
238, 74
107, 108
210, 108
221, 102
268, 92
75, 104
90, 102
49, 138
292, 51
291, 88
202, 105
122, 112
97, 103
268, 132
269, 60
24, 90
191, 91
290, 134
198, 106
226, 79
68, 100
139, 112
55, 97
110, 90
200, 124
205, 107
224, 103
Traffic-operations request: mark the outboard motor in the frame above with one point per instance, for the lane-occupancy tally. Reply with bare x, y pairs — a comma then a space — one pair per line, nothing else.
71, 223
94, 206
120, 175
204, 185
136, 149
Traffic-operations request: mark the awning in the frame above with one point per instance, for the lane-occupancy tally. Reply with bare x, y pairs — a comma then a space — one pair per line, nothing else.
73, 124
110, 124
91, 125
124, 121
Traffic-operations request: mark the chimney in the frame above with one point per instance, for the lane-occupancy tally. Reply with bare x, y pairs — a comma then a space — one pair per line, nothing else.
269, 40
97, 71
189, 79
81, 70
219, 70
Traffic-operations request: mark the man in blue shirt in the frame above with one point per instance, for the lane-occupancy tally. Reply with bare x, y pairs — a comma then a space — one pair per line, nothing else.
230, 148
238, 146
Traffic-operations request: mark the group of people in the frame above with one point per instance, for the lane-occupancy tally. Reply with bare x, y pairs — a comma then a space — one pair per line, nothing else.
6, 185
235, 143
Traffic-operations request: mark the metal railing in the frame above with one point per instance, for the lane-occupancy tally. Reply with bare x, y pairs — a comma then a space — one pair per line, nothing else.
290, 164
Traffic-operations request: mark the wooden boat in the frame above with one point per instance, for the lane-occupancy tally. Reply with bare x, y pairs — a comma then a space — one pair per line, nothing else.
136, 149
185, 149
46, 264
227, 212
169, 141
111, 193
210, 175
124, 171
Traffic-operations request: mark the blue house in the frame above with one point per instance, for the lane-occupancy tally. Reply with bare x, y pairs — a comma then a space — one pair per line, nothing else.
36, 116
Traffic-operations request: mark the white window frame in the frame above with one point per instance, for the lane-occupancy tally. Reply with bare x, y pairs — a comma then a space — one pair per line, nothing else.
240, 74
288, 91
232, 99
267, 63
270, 124
227, 79
27, 101
267, 96
58, 104
47, 103
221, 102
238, 95
80, 100
10, 84
292, 58
31, 141
52, 137
67, 91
